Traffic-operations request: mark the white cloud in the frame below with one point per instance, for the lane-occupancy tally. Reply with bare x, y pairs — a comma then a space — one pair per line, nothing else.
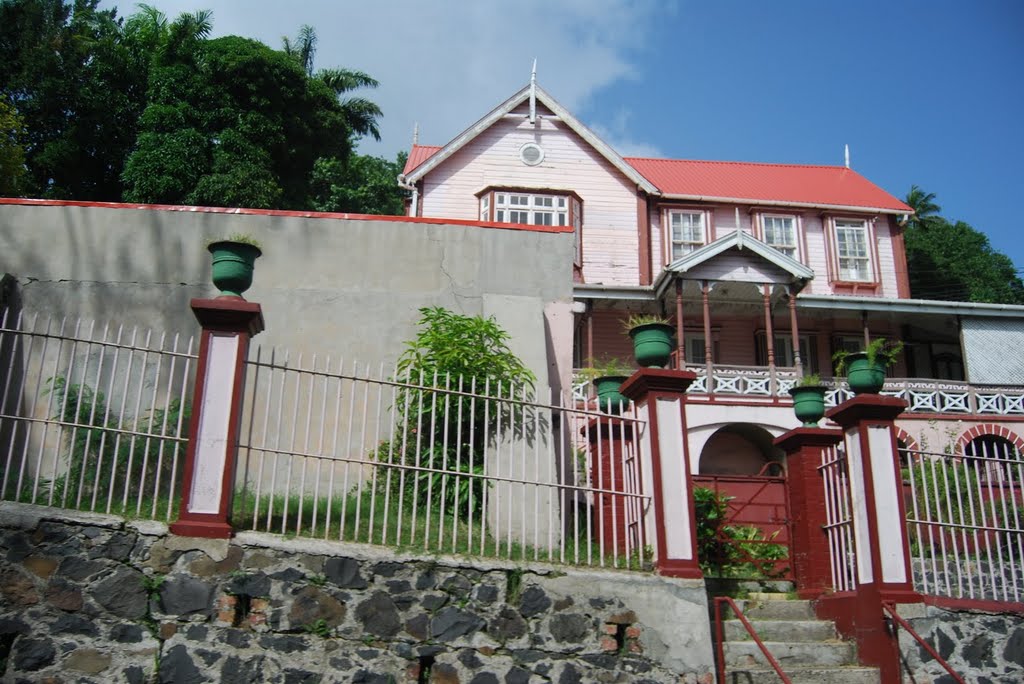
446, 63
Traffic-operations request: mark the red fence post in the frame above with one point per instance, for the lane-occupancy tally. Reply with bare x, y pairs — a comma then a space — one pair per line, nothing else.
879, 524
809, 550
660, 399
606, 437
208, 478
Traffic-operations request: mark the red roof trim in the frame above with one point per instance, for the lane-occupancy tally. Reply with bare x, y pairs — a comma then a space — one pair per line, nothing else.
24, 201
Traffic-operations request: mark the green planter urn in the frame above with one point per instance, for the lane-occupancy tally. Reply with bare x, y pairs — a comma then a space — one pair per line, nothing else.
863, 376
652, 344
808, 403
232, 266
609, 399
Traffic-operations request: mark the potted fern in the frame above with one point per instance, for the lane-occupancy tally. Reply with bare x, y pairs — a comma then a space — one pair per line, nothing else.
652, 339
809, 400
865, 371
233, 260
607, 377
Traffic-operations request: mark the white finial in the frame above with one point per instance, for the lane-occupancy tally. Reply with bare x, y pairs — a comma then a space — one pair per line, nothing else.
846, 150
533, 92
416, 133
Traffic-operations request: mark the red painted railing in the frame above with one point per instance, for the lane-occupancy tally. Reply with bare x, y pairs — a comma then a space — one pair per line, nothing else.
891, 610
720, 640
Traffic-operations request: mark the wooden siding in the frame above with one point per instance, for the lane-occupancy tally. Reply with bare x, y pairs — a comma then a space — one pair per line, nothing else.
610, 247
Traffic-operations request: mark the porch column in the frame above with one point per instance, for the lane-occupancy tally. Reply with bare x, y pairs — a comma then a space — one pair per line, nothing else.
680, 344
209, 472
660, 400
705, 289
795, 332
864, 325
883, 569
590, 334
809, 548
773, 381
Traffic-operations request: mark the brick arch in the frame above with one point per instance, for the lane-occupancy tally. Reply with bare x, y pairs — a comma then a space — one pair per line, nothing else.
990, 429
904, 436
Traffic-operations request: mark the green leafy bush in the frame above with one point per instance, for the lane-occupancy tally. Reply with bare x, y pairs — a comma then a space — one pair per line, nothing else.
458, 377
103, 455
725, 550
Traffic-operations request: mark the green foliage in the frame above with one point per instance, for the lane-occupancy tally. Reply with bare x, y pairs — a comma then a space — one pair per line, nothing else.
365, 185
152, 110
945, 491
240, 238
879, 351
12, 153
606, 368
732, 550
953, 261
104, 454
809, 380
636, 320
441, 425
318, 628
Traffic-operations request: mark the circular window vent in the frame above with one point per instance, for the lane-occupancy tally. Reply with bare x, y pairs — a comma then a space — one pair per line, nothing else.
531, 154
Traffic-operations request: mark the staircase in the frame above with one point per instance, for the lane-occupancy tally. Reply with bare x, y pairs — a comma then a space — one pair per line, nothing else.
808, 649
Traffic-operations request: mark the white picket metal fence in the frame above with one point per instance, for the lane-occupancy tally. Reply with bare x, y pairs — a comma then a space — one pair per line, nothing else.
965, 521
93, 417
835, 479
341, 450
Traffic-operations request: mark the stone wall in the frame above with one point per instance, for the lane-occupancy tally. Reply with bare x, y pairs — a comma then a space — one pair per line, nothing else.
88, 598
982, 647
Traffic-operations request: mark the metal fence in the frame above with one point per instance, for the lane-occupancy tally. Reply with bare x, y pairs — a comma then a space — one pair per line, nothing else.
965, 518
93, 417
341, 450
835, 479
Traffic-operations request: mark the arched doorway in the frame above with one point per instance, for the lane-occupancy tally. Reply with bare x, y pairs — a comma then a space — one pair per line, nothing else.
741, 472
739, 449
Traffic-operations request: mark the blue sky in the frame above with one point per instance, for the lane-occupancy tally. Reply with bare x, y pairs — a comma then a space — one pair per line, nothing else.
926, 92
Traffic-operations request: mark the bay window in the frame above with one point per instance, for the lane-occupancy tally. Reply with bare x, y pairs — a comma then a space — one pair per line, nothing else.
535, 209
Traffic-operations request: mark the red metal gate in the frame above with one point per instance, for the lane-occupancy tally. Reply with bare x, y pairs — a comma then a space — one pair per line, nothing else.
754, 535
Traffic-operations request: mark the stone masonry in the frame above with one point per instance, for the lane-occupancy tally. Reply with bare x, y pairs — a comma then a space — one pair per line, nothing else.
88, 598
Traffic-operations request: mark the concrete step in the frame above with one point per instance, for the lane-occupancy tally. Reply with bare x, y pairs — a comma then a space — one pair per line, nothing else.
782, 630
822, 654
806, 675
776, 609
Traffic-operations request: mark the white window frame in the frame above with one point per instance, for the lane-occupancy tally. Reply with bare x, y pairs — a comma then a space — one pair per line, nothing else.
792, 250
685, 246
535, 209
863, 271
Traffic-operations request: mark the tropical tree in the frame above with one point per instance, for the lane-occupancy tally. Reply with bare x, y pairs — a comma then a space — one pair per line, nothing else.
953, 261
926, 211
365, 185
12, 155
361, 115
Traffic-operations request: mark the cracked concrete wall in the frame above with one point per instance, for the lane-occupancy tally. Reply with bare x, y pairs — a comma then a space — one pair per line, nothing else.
339, 287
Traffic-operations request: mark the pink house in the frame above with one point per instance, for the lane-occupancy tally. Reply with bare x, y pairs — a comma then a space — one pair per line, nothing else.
765, 269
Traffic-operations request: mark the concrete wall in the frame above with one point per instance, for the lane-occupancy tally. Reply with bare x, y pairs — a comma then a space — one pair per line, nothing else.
339, 286
87, 598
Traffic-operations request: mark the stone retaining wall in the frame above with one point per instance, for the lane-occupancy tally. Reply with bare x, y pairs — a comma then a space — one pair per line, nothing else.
87, 598
982, 647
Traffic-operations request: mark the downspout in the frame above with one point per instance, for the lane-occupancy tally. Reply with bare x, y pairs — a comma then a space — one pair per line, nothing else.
414, 200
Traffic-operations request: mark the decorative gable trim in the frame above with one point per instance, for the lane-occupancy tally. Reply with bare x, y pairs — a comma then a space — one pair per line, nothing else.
741, 240
505, 108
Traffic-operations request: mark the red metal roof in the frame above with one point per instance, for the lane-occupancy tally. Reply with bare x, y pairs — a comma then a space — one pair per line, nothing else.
819, 186
790, 183
417, 155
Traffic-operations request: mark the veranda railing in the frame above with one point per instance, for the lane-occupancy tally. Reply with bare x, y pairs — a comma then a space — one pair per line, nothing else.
92, 416
341, 450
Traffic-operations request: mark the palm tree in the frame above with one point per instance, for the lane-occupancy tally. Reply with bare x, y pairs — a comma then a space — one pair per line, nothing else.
360, 114
926, 211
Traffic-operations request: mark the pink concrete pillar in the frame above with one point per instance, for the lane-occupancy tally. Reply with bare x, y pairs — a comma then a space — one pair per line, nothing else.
660, 399
208, 477
879, 524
